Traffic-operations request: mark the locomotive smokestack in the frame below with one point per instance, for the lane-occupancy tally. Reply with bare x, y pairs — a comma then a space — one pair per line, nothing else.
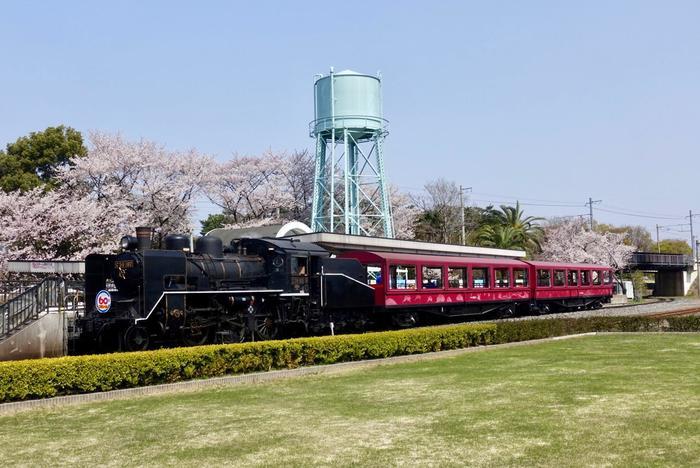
144, 235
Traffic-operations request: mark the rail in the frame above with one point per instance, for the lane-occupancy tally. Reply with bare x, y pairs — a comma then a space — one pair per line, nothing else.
30, 304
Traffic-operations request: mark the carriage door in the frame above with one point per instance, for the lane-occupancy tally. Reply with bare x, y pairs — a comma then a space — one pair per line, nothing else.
300, 274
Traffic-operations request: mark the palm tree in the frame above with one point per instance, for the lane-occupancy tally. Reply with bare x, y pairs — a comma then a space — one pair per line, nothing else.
499, 236
511, 229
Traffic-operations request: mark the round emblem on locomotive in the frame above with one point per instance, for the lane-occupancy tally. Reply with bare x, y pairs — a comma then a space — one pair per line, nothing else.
103, 301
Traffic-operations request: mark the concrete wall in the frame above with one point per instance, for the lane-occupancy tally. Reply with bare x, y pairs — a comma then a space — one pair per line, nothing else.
691, 278
674, 283
42, 338
669, 283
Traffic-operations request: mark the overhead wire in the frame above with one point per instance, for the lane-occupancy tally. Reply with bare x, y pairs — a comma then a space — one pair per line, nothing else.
540, 202
564, 205
529, 199
605, 210
639, 212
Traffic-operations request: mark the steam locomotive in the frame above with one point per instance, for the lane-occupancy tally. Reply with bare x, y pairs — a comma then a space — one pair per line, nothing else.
259, 289
254, 289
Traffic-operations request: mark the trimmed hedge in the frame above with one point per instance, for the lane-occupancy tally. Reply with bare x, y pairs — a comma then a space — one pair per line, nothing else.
42, 378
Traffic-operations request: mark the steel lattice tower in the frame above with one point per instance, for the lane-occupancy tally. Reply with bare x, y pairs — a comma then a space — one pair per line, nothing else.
350, 192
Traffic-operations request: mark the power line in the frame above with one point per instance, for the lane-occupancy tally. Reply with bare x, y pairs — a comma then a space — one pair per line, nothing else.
639, 212
529, 199
636, 215
528, 204
539, 202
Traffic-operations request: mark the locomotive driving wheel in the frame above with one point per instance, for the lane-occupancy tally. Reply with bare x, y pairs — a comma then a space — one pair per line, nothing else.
266, 329
196, 331
259, 326
136, 338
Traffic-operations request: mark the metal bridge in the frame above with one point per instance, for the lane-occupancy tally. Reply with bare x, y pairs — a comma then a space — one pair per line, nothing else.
674, 273
658, 262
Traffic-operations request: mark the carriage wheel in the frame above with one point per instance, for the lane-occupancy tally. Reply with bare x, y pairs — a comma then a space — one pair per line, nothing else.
136, 338
507, 312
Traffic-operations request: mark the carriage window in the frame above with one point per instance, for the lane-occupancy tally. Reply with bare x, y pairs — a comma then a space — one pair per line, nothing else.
585, 277
572, 278
457, 277
544, 278
432, 277
520, 278
606, 276
559, 277
403, 277
480, 277
595, 276
374, 274
502, 278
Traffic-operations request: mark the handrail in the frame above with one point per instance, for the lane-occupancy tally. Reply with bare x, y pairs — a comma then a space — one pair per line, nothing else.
339, 122
30, 304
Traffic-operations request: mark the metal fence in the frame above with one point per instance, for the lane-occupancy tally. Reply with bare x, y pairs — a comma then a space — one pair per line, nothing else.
30, 304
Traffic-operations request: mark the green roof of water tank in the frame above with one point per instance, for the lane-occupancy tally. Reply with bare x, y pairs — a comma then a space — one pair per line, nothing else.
358, 102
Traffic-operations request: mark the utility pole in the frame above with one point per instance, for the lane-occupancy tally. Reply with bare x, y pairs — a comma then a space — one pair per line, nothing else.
692, 237
461, 202
590, 209
658, 246
697, 265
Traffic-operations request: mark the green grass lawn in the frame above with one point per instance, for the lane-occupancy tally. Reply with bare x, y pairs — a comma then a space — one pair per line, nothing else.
622, 400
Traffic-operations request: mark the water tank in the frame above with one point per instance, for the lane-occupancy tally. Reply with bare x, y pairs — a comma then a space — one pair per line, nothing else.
354, 99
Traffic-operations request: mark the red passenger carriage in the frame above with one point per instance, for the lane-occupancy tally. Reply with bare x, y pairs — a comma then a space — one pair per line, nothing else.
452, 286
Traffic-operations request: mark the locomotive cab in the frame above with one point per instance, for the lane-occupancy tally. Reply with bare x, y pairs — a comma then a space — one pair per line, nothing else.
292, 266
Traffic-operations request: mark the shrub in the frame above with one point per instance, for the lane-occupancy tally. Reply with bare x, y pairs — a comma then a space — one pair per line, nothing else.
42, 378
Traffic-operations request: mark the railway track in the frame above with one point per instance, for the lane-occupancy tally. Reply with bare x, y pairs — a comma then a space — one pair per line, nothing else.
664, 300
675, 313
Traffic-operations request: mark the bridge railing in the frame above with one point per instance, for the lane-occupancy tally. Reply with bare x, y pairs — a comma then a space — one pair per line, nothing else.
30, 304
667, 260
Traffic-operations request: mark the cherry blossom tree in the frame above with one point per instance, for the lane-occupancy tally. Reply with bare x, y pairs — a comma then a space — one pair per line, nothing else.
58, 224
140, 183
571, 241
404, 212
248, 187
119, 185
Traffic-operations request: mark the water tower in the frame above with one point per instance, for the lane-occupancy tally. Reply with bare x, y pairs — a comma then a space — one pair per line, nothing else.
350, 192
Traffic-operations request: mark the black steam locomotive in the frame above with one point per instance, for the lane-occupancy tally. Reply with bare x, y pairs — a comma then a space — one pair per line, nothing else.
254, 289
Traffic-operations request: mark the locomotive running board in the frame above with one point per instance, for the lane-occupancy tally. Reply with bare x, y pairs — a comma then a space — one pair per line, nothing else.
238, 291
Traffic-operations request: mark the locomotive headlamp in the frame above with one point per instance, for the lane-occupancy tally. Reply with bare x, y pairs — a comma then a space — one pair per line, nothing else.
128, 243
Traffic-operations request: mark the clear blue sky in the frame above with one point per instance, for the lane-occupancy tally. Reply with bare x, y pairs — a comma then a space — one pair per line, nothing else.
544, 101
